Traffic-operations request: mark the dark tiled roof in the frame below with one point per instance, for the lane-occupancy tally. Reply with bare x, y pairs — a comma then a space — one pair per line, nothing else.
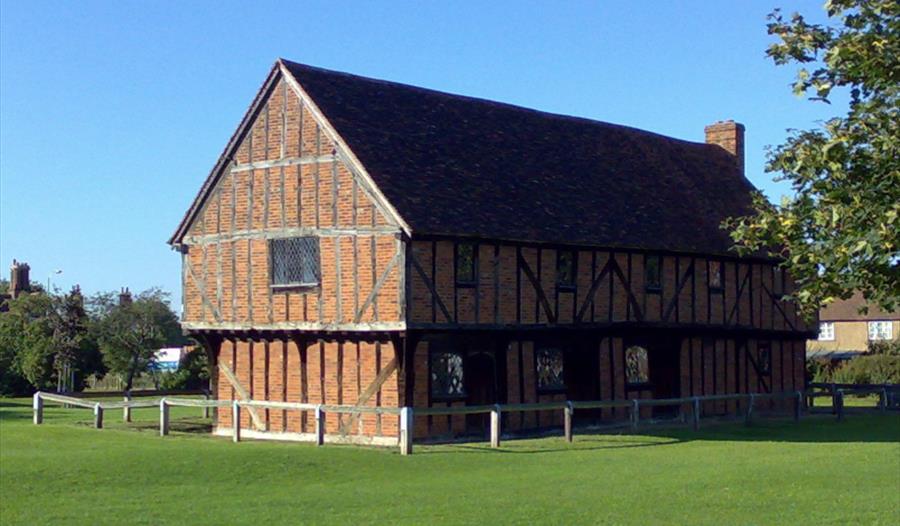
848, 310
462, 166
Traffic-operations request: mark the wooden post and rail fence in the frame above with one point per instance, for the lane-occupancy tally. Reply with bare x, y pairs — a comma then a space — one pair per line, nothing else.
745, 404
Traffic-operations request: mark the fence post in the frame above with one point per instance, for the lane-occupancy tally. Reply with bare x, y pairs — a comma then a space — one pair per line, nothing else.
834, 399
635, 415
126, 409
406, 430
320, 425
695, 413
163, 418
98, 416
798, 404
495, 426
38, 405
884, 399
840, 405
206, 407
568, 412
235, 422
748, 415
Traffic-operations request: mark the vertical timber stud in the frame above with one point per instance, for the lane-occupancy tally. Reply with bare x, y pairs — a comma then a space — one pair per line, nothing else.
748, 415
798, 405
163, 418
320, 425
38, 406
235, 422
695, 413
567, 420
126, 409
635, 414
98, 416
406, 430
206, 396
495, 426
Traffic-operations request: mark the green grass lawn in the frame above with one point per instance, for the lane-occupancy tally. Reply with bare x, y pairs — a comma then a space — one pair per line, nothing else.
817, 472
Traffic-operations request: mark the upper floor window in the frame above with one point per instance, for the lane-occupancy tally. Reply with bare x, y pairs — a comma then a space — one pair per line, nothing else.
881, 330
637, 367
549, 368
715, 276
826, 331
294, 261
652, 274
447, 375
565, 269
466, 263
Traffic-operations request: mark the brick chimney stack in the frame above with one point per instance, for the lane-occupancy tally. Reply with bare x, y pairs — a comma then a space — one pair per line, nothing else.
125, 297
728, 135
18, 279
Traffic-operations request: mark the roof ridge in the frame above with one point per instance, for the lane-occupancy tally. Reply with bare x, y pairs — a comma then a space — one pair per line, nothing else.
491, 102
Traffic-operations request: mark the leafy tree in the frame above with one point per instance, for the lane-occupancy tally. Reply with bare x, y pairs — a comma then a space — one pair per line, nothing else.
131, 331
840, 231
41, 336
192, 372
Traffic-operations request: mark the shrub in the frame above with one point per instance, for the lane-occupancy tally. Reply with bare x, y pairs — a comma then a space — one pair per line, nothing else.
192, 372
869, 369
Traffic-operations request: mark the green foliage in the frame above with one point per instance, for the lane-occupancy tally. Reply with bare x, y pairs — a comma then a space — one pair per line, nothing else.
192, 373
40, 337
840, 231
889, 347
869, 369
130, 332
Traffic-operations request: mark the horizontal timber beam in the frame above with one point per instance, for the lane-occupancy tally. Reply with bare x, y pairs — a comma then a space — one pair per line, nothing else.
289, 161
296, 326
288, 232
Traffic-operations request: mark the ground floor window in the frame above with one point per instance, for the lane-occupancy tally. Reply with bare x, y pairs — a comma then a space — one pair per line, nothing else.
826, 331
447, 375
637, 367
549, 368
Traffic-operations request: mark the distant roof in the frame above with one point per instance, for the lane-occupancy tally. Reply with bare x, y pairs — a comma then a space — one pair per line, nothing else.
470, 167
848, 310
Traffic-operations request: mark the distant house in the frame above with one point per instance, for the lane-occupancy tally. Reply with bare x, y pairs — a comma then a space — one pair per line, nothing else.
369, 243
844, 332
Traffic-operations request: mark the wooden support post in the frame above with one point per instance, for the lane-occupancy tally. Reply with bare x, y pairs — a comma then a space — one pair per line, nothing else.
748, 415
834, 399
98, 416
206, 407
235, 422
38, 405
406, 430
883, 403
126, 409
635, 414
840, 405
798, 405
567, 420
320, 425
163, 418
695, 413
495, 426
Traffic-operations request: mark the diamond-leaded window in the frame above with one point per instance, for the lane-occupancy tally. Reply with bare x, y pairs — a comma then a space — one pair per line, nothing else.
652, 278
295, 261
465, 264
549, 365
637, 369
565, 269
447, 375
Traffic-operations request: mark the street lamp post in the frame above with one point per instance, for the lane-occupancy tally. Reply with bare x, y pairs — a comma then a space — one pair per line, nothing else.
57, 271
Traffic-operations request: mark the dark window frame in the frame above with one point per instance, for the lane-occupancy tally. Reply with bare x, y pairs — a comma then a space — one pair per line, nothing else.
561, 388
445, 397
294, 285
567, 286
461, 282
765, 365
648, 285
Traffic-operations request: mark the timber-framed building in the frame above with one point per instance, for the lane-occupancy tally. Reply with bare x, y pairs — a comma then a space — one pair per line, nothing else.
362, 242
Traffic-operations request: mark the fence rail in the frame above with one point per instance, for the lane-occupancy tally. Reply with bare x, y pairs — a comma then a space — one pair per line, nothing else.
746, 403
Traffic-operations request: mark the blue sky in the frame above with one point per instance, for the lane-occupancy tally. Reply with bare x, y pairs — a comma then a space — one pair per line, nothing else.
113, 113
